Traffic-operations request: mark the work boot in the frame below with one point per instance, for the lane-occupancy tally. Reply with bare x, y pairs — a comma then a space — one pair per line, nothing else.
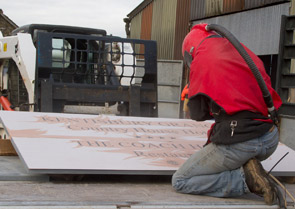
258, 181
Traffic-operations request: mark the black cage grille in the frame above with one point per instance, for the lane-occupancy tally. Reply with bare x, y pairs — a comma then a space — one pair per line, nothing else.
75, 69
94, 59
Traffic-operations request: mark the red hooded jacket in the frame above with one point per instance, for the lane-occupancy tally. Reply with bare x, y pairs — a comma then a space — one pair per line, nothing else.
219, 71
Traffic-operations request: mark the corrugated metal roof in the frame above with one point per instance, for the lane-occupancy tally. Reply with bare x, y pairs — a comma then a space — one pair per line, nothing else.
250, 4
253, 3
213, 7
135, 29
139, 8
157, 25
207, 8
181, 26
258, 29
146, 24
233, 5
166, 22
197, 9
163, 27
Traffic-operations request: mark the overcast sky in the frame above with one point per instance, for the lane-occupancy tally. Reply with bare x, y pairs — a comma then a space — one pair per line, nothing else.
101, 14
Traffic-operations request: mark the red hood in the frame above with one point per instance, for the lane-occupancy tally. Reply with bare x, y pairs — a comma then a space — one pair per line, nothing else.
194, 38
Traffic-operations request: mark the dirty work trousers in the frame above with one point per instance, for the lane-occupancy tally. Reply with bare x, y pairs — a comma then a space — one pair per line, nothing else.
217, 170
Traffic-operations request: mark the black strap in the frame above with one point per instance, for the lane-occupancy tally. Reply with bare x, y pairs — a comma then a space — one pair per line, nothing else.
212, 36
240, 115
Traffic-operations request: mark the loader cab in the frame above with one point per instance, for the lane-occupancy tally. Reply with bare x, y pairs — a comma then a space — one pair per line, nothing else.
68, 53
86, 67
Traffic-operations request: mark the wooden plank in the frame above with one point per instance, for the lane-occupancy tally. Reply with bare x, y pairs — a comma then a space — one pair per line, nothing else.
90, 144
6, 148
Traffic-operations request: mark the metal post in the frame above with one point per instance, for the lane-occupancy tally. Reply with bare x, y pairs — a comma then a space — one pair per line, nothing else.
292, 69
134, 100
46, 96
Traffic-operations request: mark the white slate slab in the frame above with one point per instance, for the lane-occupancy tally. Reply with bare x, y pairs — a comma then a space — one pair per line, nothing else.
55, 143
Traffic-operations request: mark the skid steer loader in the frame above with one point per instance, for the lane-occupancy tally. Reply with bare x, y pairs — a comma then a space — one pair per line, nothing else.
53, 68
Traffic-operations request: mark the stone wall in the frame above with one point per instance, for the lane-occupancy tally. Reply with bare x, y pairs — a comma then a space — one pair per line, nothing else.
6, 25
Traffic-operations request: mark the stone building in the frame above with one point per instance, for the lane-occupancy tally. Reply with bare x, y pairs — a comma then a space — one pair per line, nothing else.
6, 24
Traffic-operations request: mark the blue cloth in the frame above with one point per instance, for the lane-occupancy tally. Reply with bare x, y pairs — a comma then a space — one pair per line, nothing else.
217, 170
